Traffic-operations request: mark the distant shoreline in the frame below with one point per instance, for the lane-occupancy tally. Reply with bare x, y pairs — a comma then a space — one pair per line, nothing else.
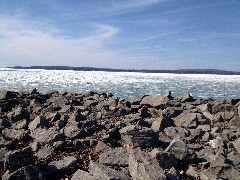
179, 71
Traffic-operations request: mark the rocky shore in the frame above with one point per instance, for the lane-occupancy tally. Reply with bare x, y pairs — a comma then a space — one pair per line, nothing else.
101, 136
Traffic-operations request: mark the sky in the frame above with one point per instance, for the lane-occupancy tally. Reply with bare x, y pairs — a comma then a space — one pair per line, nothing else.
128, 34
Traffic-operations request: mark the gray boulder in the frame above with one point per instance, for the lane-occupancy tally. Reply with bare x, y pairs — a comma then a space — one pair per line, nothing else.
114, 157
100, 171
166, 160
16, 134
181, 151
19, 113
82, 175
38, 122
143, 166
188, 120
67, 165
137, 137
160, 124
45, 152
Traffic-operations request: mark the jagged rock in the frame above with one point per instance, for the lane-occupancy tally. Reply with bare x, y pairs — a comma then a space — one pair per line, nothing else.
114, 157
154, 101
45, 152
143, 166
18, 114
22, 124
144, 112
207, 175
27, 172
71, 130
205, 107
236, 145
16, 134
38, 122
172, 112
166, 160
180, 150
134, 136
46, 135
82, 175
76, 144
190, 171
160, 124
216, 143
173, 174
8, 94
67, 165
100, 171
189, 120
18, 158
187, 98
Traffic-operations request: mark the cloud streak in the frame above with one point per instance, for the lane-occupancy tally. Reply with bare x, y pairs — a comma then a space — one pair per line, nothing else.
28, 42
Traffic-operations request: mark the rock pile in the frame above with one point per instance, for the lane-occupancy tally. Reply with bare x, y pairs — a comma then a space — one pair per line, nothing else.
100, 136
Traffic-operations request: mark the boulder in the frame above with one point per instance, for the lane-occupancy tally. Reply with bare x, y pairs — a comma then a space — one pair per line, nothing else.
19, 113
166, 160
45, 152
181, 151
154, 101
114, 157
187, 120
67, 165
16, 134
236, 145
143, 166
139, 137
38, 122
71, 130
161, 123
82, 175
46, 135
100, 171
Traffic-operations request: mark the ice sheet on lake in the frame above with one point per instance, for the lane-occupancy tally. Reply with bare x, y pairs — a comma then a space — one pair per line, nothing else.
130, 84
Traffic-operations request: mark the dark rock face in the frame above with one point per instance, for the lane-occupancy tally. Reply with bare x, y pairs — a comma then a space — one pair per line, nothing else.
100, 136
27, 172
17, 159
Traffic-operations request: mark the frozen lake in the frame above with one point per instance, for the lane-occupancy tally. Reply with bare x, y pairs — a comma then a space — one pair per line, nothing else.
122, 84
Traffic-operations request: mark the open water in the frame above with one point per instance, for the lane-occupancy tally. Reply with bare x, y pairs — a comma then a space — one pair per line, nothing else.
122, 84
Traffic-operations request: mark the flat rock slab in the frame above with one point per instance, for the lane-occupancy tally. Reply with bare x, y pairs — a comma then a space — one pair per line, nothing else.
153, 100
17, 159
113, 157
145, 137
45, 152
67, 165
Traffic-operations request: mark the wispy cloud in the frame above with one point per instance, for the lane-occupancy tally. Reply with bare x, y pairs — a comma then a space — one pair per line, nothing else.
28, 41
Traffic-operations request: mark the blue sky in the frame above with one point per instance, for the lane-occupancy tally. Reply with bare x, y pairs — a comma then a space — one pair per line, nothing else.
136, 34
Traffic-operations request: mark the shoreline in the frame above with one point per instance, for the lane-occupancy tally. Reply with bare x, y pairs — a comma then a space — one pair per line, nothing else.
99, 135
